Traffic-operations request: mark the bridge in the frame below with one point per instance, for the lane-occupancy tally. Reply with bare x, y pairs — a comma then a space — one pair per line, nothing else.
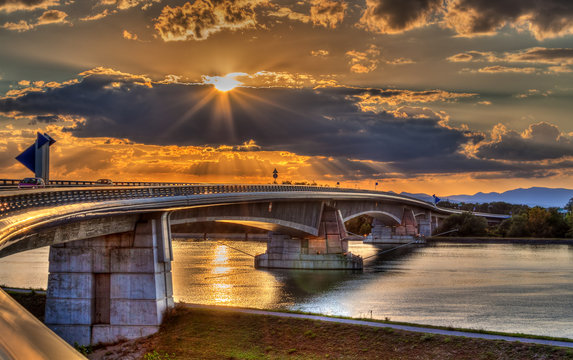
110, 256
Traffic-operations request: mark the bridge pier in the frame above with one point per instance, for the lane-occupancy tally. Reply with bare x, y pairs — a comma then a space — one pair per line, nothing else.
403, 233
111, 287
327, 251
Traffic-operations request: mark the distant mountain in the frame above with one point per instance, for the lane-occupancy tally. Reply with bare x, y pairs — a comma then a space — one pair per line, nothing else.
535, 196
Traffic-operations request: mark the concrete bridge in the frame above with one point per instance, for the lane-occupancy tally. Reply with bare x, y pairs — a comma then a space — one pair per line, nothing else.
110, 256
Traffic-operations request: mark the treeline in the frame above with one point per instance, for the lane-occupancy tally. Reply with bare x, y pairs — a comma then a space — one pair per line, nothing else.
496, 207
524, 222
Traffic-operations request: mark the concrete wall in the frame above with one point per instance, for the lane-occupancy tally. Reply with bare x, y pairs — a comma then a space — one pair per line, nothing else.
111, 287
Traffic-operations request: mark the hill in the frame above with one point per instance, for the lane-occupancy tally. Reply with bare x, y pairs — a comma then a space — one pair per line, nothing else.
535, 196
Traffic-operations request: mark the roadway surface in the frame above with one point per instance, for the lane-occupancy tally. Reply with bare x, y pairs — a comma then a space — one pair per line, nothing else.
419, 329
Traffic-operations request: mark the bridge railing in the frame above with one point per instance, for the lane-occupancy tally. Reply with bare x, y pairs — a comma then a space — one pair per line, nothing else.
26, 199
7, 184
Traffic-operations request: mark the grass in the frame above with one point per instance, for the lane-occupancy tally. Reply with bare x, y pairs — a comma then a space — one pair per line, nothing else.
191, 333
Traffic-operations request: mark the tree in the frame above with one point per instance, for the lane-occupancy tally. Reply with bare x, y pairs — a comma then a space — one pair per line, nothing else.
569, 206
466, 223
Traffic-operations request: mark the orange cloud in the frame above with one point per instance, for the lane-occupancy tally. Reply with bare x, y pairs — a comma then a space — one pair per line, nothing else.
199, 20
327, 13
363, 62
47, 18
129, 36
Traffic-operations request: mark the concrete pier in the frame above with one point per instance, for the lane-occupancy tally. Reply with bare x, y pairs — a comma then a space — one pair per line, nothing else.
111, 287
327, 251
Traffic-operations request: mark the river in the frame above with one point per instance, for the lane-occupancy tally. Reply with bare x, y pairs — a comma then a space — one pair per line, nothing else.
510, 288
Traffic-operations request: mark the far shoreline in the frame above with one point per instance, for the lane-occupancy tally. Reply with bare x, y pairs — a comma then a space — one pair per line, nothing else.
496, 240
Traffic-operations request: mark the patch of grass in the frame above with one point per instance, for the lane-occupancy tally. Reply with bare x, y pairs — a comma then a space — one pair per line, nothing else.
154, 355
83, 349
246, 355
427, 337
309, 334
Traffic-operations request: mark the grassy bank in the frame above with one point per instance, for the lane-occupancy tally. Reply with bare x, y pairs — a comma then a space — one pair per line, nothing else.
216, 334
219, 334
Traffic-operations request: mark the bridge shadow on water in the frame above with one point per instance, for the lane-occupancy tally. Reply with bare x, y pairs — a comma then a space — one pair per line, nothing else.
305, 284
390, 257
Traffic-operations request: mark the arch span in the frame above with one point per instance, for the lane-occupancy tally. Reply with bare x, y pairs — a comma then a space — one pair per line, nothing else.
380, 215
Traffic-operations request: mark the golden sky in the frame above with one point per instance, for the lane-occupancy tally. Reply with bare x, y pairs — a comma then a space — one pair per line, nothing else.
444, 97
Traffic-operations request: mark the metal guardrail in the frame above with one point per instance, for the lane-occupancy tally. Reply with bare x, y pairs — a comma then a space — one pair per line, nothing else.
26, 199
11, 183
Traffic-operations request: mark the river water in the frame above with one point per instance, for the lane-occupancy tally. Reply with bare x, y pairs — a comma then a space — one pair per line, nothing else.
510, 288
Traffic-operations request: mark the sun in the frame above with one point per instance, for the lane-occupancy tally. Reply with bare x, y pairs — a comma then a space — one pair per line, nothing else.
223, 83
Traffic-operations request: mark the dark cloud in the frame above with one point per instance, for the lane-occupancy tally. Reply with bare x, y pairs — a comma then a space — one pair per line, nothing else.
46, 119
305, 121
548, 18
393, 16
541, 141
544, 19
25, 5
327, 123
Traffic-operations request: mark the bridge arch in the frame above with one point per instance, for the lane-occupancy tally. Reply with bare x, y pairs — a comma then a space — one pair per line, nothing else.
264, 223
386, 217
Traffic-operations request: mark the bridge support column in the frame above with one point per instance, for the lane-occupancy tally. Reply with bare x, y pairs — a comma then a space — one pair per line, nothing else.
111, 287
327, 251
425, 224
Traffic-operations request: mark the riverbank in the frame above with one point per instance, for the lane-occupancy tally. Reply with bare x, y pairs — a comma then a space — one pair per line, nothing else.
210, 333
494, 240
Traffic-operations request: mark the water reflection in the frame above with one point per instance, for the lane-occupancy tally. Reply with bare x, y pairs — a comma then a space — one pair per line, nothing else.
513, 288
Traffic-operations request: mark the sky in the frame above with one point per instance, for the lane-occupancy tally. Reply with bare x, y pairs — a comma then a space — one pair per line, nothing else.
421, 96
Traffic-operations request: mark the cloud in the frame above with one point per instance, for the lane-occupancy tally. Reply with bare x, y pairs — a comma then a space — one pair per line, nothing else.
203, 18
543, 55
98, 16
319, 52
52, 17
20, 26
544, 19
47, 18
325, 121
318, 133
375, 99
9, 6
128, 4
327, 13
129, 36
473, 56
363, 62
560, 58
396, 16
285, 12
506, 69
541, 141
